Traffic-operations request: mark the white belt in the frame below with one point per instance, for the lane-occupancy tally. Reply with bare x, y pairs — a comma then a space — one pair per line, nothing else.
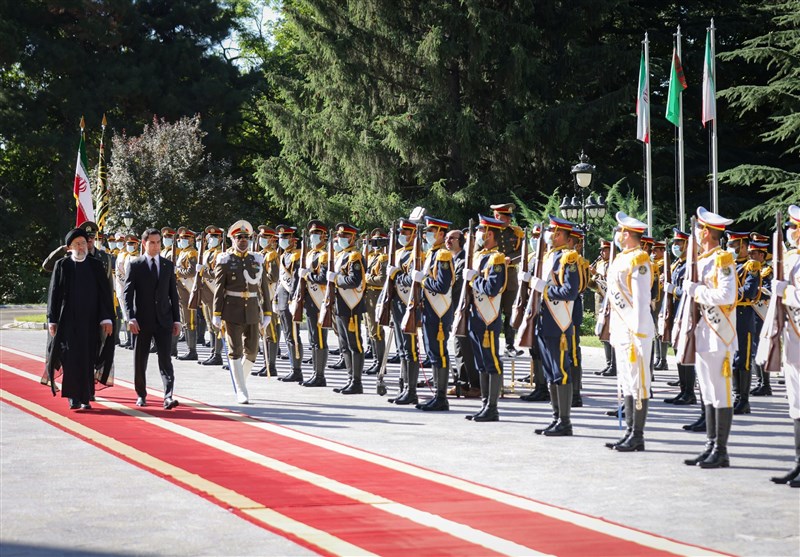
246, 294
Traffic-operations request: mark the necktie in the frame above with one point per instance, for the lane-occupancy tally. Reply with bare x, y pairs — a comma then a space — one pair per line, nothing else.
154, 269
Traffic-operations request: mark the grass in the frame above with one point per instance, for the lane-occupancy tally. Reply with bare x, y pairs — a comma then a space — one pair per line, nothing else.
38, 318
591, 341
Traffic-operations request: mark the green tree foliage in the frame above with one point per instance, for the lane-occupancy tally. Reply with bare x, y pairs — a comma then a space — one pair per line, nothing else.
778, 103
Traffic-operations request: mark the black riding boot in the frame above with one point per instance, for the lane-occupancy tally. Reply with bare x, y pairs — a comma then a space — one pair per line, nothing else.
719, 456
628, 403
564, 426
635, 442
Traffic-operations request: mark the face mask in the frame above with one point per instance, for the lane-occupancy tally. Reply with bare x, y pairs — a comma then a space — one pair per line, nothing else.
263, 242
315, 240
697, 237
344, 243
733, 251
791, 237
198, 244
403, 240
532, 242
167, 242
479, 239
183, 243
677, 251
283, 243
430, 238
618, 240
120, 245
213, 242
548, 238
130, 249
336, 247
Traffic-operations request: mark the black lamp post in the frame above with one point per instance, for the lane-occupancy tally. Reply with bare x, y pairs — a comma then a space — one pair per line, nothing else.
127, 218
589, 208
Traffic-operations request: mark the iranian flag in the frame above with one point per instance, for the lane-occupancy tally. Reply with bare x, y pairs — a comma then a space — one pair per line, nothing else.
677, 83
82, 189
643, 104
709, 84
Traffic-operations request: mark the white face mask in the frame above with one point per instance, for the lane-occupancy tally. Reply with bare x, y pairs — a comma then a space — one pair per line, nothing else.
618, 239
120, 245
430, 238
480, 240
167, 242
403, 240
263, 242
677, 251
197, 244
314, 240
213, 242
283, 243
548, 238
130, 248
733, 251
183, 243
337, 247
344, 243
697, 236
792, 236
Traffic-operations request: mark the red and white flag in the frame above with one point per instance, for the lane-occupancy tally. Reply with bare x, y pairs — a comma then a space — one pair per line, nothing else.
82, 188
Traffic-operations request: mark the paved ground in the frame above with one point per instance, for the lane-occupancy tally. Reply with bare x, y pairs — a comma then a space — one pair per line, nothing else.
125, 510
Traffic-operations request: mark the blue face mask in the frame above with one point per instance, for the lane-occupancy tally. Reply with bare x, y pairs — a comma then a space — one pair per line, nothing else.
183, 243
263, 242
284, 243
167, 242
479, 239
213, 242
343, 243
131, 248
314, 240
677, 251
403, 240
430, 238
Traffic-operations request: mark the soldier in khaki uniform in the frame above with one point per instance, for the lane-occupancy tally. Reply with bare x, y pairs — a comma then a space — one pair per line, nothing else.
241, 302
185, 271
657, 259
313, 272
205, 270
377, 260
510, 244
288, 276
168, 248
121, 271
268, 243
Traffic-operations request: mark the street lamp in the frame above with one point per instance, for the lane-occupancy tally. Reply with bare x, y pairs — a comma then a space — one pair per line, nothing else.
127, 218
591, 208
583, 171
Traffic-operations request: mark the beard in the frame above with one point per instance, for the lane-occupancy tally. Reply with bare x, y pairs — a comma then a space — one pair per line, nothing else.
78, 256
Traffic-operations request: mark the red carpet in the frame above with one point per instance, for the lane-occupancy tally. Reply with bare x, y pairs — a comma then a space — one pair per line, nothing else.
329, 501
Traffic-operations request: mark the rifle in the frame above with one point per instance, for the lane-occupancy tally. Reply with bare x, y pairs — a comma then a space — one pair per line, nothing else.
296, 305
521, 301
194, 295
684, 331
383, 310
326, 311
412, 318
461, 315
768, 353
528, 325
666, 316
602, 326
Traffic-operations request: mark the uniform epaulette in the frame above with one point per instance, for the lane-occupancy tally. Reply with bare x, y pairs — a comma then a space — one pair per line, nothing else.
766, 271
570, 257
518, 232
222, 258
640, 259
497, 259
258, 257
444, 255
295, 256
382, 257
724, 259
270, 256
753, 266
355, 257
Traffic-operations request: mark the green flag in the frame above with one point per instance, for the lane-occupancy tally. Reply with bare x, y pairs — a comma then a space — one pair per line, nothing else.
677, 83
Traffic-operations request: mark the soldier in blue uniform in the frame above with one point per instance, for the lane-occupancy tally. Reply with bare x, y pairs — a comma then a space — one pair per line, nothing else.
350, 283
560, 287
313, 272
288, 276
758, 251
408, 348
749, 280
488, 279
436, 278
575, 242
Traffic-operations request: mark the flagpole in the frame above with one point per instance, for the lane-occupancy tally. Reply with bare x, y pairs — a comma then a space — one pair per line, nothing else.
714, 169
648, 153
681, 178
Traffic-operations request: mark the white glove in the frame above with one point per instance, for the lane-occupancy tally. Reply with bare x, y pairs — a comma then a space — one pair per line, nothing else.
199, 267
779, 286
470, 274
669, 288
538, 284
216, 321
392, 269
303, 273
417, 276
265, 321
690, 287
524, 277
331, 276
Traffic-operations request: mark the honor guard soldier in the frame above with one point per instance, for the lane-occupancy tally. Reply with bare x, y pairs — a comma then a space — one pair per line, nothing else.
657, 259
186, 271
268, 244
759, 251
241, 302
560, 287
716, 292
598, 272
406, 343
540, 392
631, 327
314, 272
349, 281
377, 261
168, 241
487, 278
510, 244
436, 279
575, 242
467, 375
749, 280
206, 272
673, 286
121, 271
288, 277
789, 291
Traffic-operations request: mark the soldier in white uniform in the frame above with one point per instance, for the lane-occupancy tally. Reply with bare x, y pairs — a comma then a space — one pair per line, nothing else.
631, 327
789, 290
715, 335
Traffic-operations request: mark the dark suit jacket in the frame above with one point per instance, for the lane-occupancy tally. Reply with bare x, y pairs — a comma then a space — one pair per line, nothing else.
153, 304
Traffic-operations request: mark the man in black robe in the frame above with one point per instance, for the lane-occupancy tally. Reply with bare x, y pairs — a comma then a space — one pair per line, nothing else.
79, 304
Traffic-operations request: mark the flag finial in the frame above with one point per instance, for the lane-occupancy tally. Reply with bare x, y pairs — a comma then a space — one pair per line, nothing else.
83, 123
104, 123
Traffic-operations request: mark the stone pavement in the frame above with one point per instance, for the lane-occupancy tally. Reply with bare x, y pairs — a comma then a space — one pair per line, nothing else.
737, 510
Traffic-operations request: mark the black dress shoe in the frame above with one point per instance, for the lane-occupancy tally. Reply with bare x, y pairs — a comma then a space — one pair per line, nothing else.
141, 401
685, 400
334, 352
347, 386
487, 415
436, 404
393, 359
373, 369
609, 373
338, 365
170, 403
762, 390
536, 395
260, 372
307, 361
315, 381
602, 371
353, 389
74, 404
788, 477
577, 401
697, 425
541, 430
213, 360
560, 430
673, 383
369, 355
189, 356
294, 376
406, 398
742, 408
615, 413
86, 406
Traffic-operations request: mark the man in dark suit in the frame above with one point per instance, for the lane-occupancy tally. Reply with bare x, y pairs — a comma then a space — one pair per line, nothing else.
151, 299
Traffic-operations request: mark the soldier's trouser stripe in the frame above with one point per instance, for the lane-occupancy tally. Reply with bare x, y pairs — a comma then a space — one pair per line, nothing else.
357, 332
564, 374
493, 352
747, 361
